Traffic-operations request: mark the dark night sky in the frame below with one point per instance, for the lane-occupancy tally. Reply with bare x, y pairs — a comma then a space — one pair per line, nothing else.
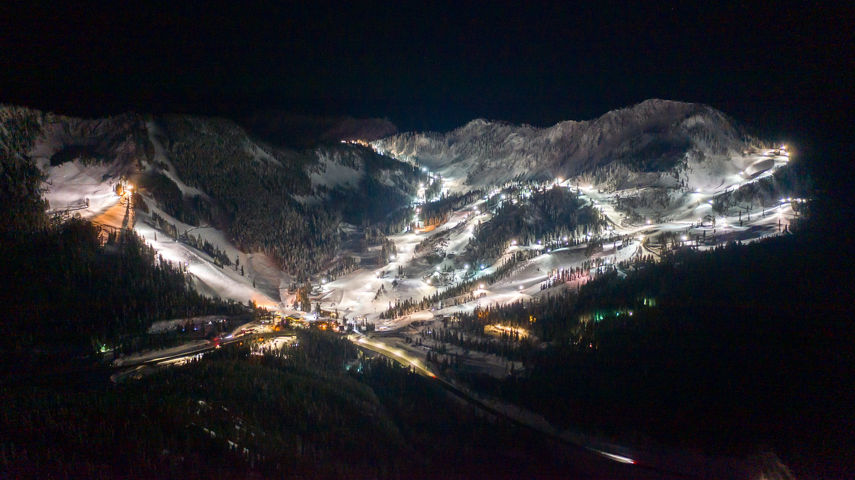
785, 69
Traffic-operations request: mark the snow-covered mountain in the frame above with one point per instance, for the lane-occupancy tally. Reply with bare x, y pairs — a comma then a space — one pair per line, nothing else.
214, 194
213, 190
188, 150
652, 137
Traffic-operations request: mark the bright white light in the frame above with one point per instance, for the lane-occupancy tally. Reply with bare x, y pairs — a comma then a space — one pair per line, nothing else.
684, 238
520, 287
437, 268
617, 458
648, 221
481, 286
466, 267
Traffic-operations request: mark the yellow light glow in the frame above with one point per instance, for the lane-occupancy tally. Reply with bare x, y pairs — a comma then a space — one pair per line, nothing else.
498, 329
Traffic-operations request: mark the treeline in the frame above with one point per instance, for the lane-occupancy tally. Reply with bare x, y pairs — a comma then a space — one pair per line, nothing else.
382, 194
792, 180
18, 129
196, 241
343, 266
471, 336
21, 204
255, 193
22, 210
387, 249
398, 220
191, 210
219, 256
549, 317
77, 294
433, 189
164, 225
653, 198
437, 211
547, 216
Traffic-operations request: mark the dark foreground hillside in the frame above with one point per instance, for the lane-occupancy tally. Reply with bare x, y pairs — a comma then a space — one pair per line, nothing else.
736, 351
234, 415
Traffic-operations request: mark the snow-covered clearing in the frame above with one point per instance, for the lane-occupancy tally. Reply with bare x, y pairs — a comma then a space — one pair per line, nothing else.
86, 190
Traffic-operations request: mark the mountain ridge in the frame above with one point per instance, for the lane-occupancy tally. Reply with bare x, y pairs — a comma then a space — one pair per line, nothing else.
652, 135
200, 171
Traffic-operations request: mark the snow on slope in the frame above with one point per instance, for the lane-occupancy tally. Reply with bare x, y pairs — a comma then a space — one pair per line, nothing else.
653, 136
658, 144
107, 138
93, 155
72, 184
654, 167
83, 160
336, 168
210, 279
156, 136
345, 166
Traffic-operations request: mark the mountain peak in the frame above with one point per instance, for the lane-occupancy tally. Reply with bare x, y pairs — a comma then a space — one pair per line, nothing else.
653, 135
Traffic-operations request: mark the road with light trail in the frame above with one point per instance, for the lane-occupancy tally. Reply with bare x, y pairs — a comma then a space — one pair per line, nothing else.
592, 462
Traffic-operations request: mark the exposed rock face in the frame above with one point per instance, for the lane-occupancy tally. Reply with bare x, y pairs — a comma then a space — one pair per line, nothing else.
652, 136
